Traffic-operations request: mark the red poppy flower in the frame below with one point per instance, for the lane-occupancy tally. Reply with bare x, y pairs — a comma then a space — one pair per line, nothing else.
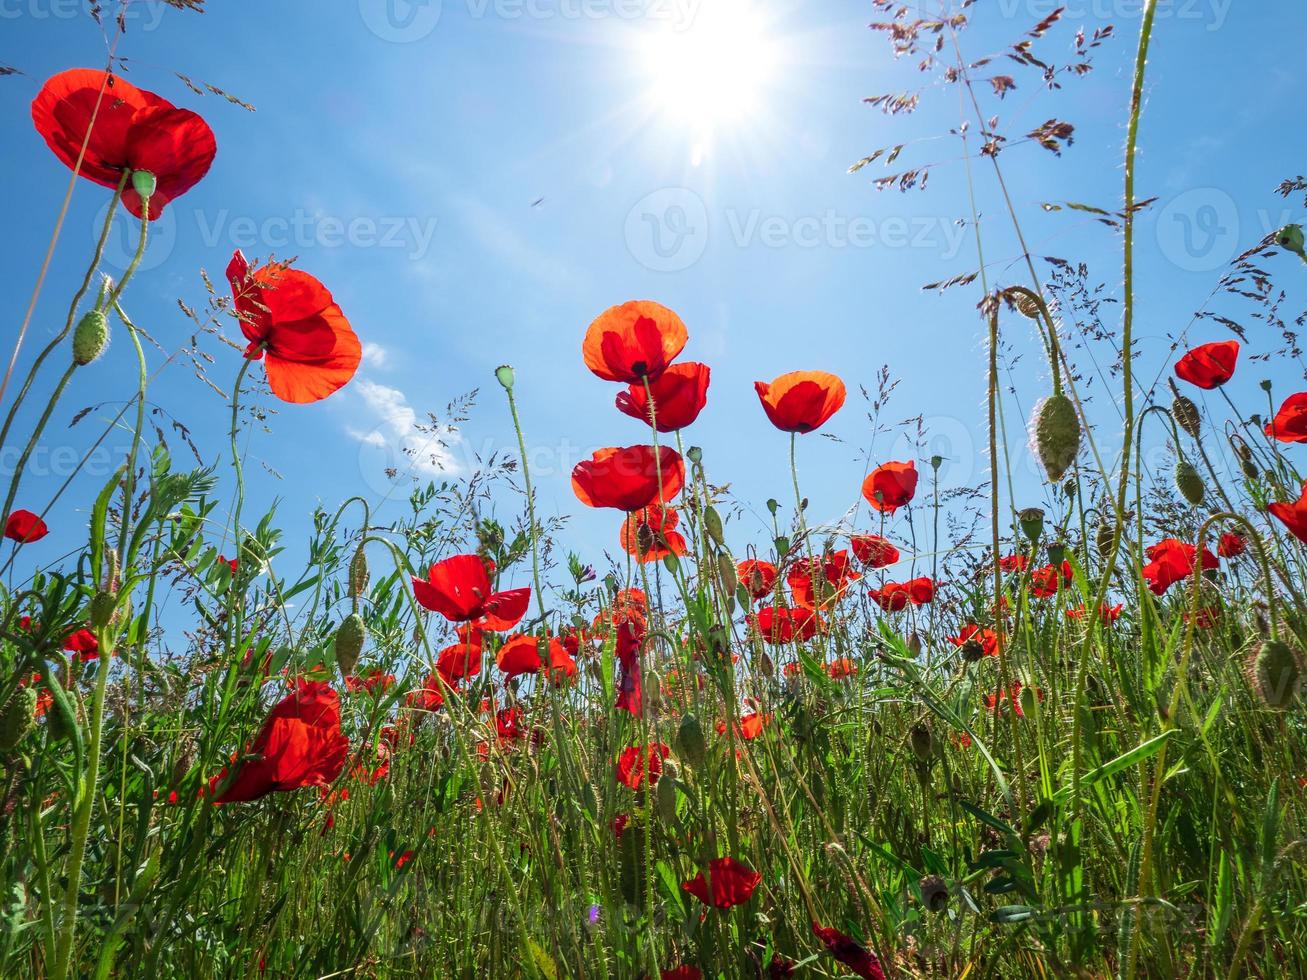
729, 884
854, 955
1293, 515
1108, 614
1290, 422
292, 323
679, 395
628, 479
631, 764
374, 682
650, 533
1012, 695
777, 624
685, 971
133, 130
890, 486
1171, 561
300, 744
461, 659
833, 575
971, 633
521, 655
1047, 581
895, 596
842, 667
83, 643
1231, 545
634, 341
1013, 563
1210, 365
459, 589
430, 696
759, 577
748, 727
233, 563
25, 527
873, 550
801, 401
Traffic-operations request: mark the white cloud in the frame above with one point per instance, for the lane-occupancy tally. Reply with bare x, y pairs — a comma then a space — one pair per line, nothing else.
374, 355
403, 447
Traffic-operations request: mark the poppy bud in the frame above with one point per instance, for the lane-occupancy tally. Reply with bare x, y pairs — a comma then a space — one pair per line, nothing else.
1189, 483
690, 744
349, 643
1055, 429
103, 605
934, 893
250, 553
504, 375
1185, 412
1069, 488
729, 576
17, 719
923, 743
914, 644
936, 462
61, 722
1275, 673
712, 524
1027, 307
1249, 468
358, 573
1105, 537
1290, 237
1032, 523
90, 338
666, 797
1028, 701
143, 183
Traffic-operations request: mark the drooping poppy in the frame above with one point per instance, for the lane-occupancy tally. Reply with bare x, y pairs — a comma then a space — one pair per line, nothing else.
25, 527
300, 744
633, 342
293, 324
1171, 561
520, 654
1210, 365
1108, 614
679, 395
778, 624
890, 486
461, 659
801, 401
629, 479
650, 533
973, 637
1292, 515
729, 883
83, 643
818, 583
459, 589
1012, 695
1048, 580
631, 771
1231, 545
1290, 422
873, 550
132, 130
759, 577
896, 596
851, 953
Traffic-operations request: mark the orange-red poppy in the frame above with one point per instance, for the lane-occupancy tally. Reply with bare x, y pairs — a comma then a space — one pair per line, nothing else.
459, 589
650, 533
1048, 580
973, 637
873, 550
841, 668
631, 771
1170, 561
629, 479
520, 654
1108, 614
1210, 365
778, 624
1231, 545
133, 130
895, 596
679, 395
820, 582
83, 643
1290, 422
851, 953
759, 577
292, 323
1292, 515
633, 342
25, 527
461, 659
728, 883
801, 401
890, 486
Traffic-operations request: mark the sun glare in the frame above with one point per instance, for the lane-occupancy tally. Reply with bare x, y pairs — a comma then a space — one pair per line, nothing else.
711, 70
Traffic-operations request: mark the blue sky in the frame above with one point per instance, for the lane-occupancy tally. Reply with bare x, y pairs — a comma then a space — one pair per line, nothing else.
475, 180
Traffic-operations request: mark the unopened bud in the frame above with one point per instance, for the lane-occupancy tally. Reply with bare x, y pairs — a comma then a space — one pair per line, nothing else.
1189, 483
1055, 431
349, 643
90, 338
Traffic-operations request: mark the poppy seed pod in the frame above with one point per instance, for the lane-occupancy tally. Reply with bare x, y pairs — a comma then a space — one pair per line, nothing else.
349, 643
1291, 237
923, 743
1185, 412
90, 338
934, 893
1032, 523
914, 644
17, 719
690, 744
1189, 483
1275, 673
1105, 537
358, 573
1055, 431
504, 375
144, 183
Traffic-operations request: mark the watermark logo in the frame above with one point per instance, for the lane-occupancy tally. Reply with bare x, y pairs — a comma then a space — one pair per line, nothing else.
667, 231
400, 21
1198, 231
125, 234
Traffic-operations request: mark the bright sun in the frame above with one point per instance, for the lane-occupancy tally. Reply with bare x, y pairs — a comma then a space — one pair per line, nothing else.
710, 72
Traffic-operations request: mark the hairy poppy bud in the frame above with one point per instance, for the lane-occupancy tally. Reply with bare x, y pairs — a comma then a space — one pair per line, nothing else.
1055, 431
103, 606
712, 525
144, 184
1189, 483
1105, 537
1275, 673
729, 576
934, 893
1029, 701
349, 643
90, 338
1185, 412
690, 744
1249, 469
17, 719
504, 375
1032, 523
358, 573
1290, 237
914, 644
923, 743
1027, 307
666, 797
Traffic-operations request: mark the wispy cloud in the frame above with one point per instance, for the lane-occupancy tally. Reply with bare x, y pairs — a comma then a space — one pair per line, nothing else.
374, 355
404, 447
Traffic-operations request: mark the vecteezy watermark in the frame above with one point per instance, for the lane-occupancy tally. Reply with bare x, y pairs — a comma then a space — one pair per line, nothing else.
143, 15
296, 232
1213, 13
406, 21
669, 230
1201, 229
